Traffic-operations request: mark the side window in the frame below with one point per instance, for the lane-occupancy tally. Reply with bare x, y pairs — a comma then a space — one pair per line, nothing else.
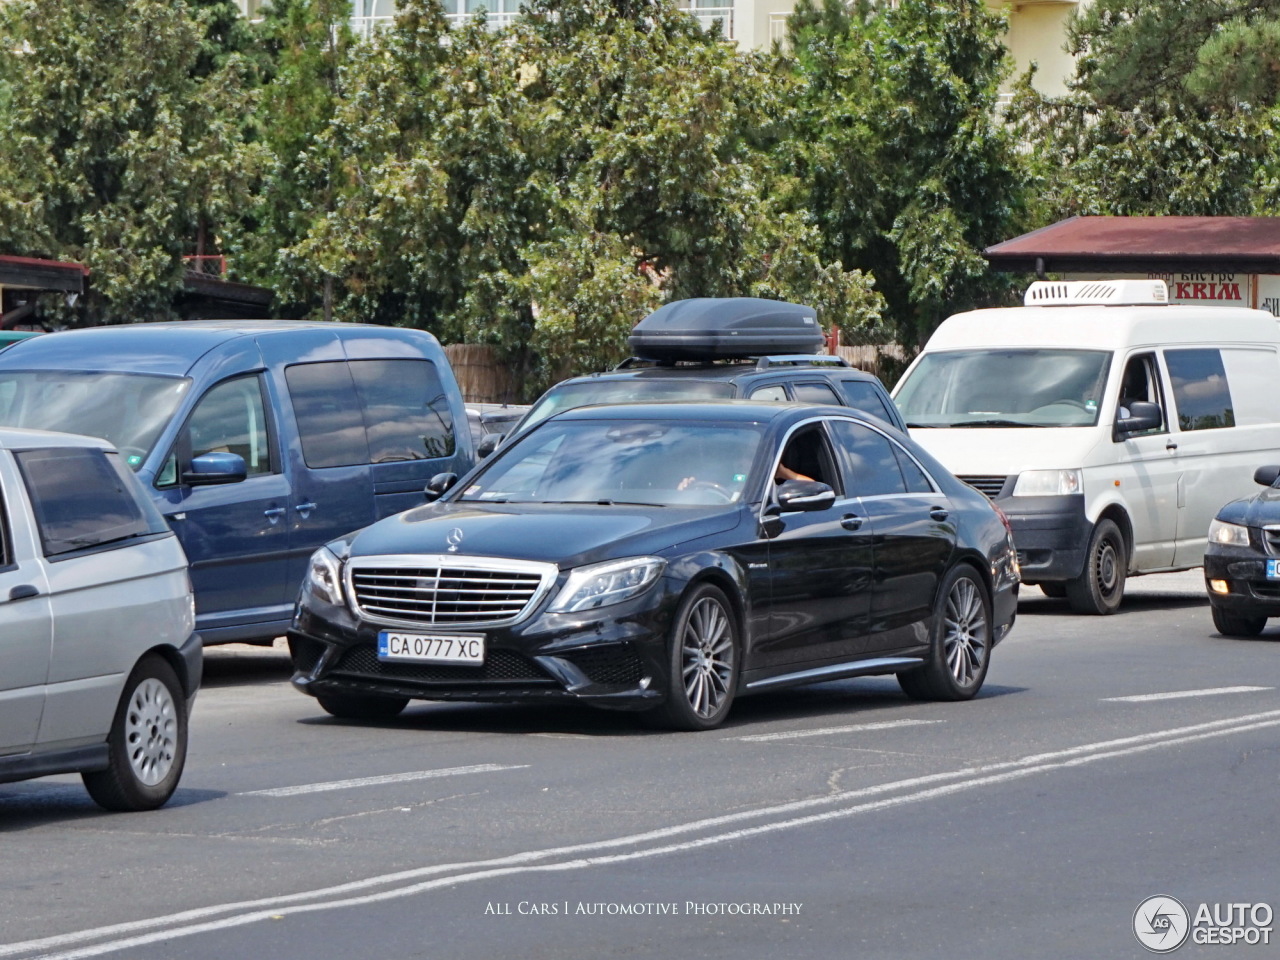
1141, 381
815, 393
870, 463
230, 418
915, 478
1200, 390
867, 397
6, 555
774, 391
808, 456
328, 413
405, 409
82, 500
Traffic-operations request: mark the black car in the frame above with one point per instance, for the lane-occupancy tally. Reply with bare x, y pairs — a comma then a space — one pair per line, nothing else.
711, 348
647, 557
1242, 560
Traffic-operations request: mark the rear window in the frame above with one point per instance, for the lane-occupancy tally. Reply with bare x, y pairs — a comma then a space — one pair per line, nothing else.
406, 410
84, 498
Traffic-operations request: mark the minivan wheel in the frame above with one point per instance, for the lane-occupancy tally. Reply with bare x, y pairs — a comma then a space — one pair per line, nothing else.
703, 662
147, 744
1230, 625
960, 652
1100, 586
361, 706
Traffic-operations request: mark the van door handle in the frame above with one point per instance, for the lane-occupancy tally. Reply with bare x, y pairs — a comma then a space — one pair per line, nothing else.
851, 521
304, 509
24, 591
938, 513
1170, 445
274, 514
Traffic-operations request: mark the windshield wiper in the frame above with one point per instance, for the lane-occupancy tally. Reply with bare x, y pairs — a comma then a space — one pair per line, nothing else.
995, 423
605, 502
917, 425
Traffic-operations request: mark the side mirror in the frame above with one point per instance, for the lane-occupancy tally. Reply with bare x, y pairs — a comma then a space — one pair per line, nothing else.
488, 443
805, 495
1142, 416
438, 485
212, 468
1266, 475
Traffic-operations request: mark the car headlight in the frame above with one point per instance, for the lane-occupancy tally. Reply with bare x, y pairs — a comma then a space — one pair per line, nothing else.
1230, 534
324, 577
602, 584
1048, 483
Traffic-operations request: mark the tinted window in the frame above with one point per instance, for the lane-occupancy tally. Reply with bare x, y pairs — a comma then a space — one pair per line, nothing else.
328, 414
230, 418
6, 557
630, 390
774, 391
815, 393
914, 477
870, 465
81, 499
405, 410
866, 397
1200, 389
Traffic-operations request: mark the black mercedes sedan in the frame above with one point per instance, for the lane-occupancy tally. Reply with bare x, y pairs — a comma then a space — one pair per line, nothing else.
1242, 560
665, 558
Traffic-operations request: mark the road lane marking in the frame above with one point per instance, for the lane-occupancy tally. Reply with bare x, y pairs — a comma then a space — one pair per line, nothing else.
827, 731
375, 781
166, 927
1180, 694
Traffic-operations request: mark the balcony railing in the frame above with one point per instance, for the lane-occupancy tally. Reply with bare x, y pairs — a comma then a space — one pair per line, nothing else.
366, 26
707, 17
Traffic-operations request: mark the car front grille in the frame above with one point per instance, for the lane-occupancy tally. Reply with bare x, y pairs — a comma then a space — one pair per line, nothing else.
500, 666
1271, 539
989, 484
446, 591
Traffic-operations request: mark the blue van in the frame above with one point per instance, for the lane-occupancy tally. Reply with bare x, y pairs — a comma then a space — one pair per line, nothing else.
259, 440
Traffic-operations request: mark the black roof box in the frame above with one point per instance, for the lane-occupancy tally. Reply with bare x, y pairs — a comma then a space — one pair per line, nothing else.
711, 328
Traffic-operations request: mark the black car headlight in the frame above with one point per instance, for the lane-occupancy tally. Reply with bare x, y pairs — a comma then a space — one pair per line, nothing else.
324, 577
602, 584
1228, 534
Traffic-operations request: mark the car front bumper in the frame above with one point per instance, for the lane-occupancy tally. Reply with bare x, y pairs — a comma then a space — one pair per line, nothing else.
1249, 592
1051, 535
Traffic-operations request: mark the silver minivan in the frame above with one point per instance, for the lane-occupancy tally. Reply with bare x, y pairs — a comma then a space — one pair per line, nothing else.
99, 659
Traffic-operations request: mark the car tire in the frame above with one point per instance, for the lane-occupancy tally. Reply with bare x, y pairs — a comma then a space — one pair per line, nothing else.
704, 655
1230, 625
361, 706
147, 743
1100, 586
1056, 589
960, 652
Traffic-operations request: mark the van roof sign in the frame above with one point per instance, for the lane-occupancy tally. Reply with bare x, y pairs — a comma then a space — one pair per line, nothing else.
1114, 293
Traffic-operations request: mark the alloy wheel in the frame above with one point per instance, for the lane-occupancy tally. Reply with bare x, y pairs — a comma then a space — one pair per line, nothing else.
151, 731
967, 633
707, 655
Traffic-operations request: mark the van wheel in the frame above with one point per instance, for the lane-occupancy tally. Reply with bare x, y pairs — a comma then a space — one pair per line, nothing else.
959, 655
1230, 625
361, 706
1100, 586
147, 745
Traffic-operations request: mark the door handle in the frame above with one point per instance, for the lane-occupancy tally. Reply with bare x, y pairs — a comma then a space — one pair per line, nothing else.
24, 591
1170, 445
274, 514
851, 521
304, 509
938, 513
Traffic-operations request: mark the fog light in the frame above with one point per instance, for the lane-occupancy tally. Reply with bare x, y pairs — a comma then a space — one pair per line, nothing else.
1219, 586
644, 682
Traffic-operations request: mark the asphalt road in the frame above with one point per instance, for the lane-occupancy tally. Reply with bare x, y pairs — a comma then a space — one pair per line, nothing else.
1107, 760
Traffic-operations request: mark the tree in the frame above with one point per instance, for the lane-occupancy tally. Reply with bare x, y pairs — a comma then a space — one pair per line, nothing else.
114, 166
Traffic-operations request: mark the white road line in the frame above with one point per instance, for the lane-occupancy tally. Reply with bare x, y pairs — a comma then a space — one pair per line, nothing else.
1180, 694
827, 731
374, 781
166, 927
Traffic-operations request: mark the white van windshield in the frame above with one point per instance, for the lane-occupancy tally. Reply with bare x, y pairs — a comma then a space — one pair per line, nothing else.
1005, 388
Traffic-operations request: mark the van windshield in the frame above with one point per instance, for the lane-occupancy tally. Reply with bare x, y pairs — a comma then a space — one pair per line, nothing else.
1005, 388
127, 409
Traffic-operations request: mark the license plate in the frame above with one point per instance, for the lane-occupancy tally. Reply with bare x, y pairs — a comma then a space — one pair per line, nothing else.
429, 648
1273, 569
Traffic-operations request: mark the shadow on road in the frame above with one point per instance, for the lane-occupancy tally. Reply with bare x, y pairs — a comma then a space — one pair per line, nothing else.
229, 664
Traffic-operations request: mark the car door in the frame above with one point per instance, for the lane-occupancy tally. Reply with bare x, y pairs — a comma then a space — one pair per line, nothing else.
819, 564
235, 535
26, 620
914, 534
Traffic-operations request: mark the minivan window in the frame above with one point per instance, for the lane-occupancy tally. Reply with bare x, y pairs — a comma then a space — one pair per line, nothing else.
330, 424
1030, 387
81, 500
1200, 389
127, 409
231, 418
405, 409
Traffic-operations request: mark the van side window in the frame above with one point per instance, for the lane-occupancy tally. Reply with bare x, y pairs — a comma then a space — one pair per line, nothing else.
870, 464
815, 393
231, 418
325, 405
1200, 389
406, 410
1141, 381
864, 396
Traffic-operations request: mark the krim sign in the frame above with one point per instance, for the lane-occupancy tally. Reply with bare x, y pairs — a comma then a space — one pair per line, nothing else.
1202, 289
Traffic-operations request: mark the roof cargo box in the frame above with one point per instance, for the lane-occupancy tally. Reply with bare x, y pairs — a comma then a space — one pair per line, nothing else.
707, 328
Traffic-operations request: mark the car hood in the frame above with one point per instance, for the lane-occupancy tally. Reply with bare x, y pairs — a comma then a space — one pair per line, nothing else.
1007, 450
1260, 509
567, 535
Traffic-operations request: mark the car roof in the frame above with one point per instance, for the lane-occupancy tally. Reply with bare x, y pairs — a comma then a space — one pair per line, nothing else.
16, 438
726, 370
724, 411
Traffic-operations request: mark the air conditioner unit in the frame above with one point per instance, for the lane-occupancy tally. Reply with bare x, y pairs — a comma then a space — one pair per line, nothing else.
1113, 293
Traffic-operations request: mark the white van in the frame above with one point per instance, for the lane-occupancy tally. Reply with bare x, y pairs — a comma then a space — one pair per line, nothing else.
1108, 424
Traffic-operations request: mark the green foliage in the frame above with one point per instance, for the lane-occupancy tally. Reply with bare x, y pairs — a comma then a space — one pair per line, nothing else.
1239, 64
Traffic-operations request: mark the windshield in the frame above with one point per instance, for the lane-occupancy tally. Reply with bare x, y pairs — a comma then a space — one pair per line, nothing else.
1005, 388
567, 396
658, 463
127, 409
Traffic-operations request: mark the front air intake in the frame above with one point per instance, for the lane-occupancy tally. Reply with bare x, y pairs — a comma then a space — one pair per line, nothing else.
1111, 293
